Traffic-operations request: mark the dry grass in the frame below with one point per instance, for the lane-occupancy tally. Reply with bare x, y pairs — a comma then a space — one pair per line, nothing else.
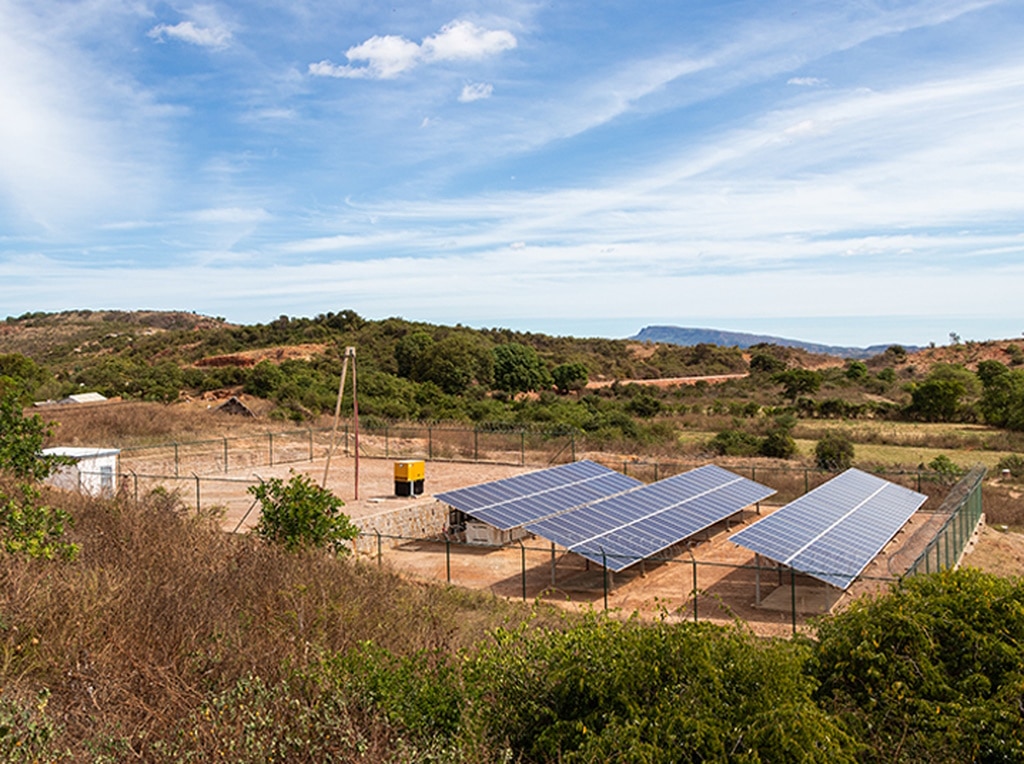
163, 611
136, 423
1004, 504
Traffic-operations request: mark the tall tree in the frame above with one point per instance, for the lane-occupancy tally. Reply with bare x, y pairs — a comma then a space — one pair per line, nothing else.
518, 369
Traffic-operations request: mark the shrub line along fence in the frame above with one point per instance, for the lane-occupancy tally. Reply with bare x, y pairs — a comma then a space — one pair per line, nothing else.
962, 504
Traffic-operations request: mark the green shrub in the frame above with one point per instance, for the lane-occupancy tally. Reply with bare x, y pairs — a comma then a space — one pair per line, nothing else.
778, 444
735, 443
570, 377
932, 672
31, 528
834, 451
21, 442
300, 514
1014, 463
946, 468
606, 690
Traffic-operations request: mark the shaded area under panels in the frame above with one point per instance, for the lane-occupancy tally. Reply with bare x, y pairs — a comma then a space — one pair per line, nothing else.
622, 530
833, 532
521, 499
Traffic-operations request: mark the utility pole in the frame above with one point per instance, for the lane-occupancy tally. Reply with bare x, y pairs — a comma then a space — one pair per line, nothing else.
350, 353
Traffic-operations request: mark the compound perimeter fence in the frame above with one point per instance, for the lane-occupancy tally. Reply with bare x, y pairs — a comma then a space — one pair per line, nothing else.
535, 447
684, 582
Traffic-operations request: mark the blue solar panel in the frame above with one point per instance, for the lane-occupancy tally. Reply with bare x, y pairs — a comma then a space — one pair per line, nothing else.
833, 532
622, 530
515, 501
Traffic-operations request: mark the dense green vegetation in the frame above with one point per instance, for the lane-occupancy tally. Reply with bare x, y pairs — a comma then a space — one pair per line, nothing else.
410, 371
28, 526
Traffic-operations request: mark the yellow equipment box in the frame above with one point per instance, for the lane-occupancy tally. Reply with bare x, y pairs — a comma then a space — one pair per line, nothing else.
410, 471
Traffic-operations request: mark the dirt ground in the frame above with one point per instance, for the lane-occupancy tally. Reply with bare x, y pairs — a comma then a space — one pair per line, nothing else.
727, 576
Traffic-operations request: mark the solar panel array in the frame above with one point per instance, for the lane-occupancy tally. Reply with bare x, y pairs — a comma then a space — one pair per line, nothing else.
622, 530
833, 532
515, 501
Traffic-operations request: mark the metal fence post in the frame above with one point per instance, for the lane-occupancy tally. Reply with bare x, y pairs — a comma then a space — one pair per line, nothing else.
270, 435
694, 561
522, 448
604, 570
476, 444
198, 504
176, 461
387, 451
448, 559
379, 550
311, 444
430, 442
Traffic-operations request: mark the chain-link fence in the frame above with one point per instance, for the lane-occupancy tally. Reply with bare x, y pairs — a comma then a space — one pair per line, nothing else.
963, 507
518, 446
689, 583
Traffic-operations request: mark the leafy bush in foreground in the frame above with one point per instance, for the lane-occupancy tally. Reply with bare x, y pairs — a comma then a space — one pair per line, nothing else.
934, 671
611, 691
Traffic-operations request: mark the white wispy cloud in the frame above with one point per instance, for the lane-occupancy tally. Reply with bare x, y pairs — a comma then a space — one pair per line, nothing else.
77, 140
386, 57
808, 82
190, 32
202, 25
476, 91
231, 215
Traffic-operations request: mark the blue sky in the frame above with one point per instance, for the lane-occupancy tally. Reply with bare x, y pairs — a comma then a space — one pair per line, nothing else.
843, 172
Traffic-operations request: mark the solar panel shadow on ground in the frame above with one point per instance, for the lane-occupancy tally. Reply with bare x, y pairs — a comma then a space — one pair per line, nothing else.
622, 530
515, 501
833, 532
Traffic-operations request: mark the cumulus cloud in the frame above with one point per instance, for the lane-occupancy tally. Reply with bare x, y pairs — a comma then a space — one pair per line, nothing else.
476, 91
464, 40
385, 57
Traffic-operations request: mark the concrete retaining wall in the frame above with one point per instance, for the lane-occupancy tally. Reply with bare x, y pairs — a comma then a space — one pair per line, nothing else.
424, 519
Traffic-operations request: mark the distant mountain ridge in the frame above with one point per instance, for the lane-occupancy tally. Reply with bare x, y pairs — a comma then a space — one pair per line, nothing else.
681, 335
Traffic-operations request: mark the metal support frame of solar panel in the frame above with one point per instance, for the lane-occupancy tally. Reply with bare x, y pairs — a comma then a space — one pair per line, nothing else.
622, 530
833, 532
515, 501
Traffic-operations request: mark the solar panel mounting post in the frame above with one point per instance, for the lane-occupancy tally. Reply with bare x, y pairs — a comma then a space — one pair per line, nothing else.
604, 568
522, 556
792, 595
757, 579
694, 561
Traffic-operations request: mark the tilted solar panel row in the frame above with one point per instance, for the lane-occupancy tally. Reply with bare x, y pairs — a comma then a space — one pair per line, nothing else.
622, 530
515, 501
833, 532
